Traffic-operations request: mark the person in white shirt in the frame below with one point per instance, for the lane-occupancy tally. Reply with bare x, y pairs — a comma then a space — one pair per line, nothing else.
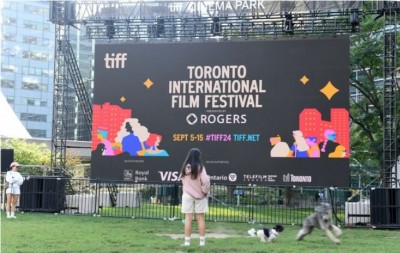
14, 180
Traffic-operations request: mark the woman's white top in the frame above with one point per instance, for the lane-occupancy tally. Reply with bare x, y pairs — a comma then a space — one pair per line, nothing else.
14, 180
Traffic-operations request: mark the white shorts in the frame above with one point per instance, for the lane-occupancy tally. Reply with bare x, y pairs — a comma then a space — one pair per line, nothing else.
192, 205
13, 190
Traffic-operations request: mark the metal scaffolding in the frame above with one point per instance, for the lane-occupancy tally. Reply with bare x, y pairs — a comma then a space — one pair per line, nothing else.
144, 21
390, 89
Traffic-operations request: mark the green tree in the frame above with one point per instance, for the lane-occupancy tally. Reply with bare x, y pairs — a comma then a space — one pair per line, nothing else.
28, 153
366, 111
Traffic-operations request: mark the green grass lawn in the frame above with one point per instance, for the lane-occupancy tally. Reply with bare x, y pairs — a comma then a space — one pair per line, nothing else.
42, 232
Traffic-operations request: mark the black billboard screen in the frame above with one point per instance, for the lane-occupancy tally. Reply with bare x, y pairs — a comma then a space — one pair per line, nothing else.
262, 112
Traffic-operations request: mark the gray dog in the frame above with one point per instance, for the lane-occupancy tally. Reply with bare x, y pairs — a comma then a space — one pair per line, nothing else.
322, 218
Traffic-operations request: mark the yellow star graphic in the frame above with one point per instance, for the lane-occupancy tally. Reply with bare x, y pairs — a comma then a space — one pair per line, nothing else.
304, 80
329, 90
122, 99
148, 83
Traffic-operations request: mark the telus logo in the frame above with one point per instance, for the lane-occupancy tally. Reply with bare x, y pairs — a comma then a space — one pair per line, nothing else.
115, 61
169, 175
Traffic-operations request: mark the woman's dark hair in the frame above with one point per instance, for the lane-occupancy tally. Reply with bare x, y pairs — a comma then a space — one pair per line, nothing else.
193, 159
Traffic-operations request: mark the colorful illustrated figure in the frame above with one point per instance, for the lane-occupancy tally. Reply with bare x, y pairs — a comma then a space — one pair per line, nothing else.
131, 143
328, 145
299, 147
340, 152
152, 144
313, 150
102, 134
99, 149
279, 148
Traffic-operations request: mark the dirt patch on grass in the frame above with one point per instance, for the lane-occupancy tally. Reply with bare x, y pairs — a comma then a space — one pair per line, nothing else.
208, 235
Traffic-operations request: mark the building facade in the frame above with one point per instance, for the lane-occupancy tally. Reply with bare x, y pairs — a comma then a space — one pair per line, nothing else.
27, 67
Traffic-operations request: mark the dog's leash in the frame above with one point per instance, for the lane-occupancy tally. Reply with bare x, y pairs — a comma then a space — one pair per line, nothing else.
249, 220
331, 189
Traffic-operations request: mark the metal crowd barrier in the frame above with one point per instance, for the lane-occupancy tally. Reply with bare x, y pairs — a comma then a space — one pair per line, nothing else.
155, 200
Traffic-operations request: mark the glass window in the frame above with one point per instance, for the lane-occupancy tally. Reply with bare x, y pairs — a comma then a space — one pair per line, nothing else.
30, 101
46, 42
7, 83
33, 117
37, 133
45, 72
46, 27
30, 24
43, 103
35, 10
9, 21
30, 40
8, 68
32, 71
27, 85
9, 5
10, 100
39, 56
43, 87
9, 51
9, 36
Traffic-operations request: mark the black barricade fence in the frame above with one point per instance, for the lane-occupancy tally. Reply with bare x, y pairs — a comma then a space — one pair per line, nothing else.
227, 203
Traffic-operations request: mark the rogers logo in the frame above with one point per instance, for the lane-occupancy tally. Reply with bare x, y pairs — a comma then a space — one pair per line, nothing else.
232, 177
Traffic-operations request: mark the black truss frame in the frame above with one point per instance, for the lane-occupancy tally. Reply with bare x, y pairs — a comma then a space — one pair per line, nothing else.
178, 20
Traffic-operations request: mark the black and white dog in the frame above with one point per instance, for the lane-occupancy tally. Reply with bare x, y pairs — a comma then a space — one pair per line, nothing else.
266, 234
322, 218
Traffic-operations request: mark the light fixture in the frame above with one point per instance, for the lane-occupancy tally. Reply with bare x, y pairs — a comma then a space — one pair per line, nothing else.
288, 23
354, 21
110, 28
160, 30
216, 27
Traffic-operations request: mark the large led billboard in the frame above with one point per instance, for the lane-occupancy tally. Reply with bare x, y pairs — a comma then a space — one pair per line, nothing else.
262, 112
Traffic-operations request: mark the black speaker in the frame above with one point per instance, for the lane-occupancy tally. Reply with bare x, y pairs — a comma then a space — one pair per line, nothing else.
7, 157
43, 194
385, 208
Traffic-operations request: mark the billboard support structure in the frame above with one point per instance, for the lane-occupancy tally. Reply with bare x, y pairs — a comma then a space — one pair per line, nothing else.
253, 21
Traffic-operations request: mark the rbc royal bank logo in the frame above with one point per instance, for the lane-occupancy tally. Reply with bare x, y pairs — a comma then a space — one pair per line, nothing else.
115, 61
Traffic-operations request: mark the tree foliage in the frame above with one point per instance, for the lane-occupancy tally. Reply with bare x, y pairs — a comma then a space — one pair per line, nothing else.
28, 153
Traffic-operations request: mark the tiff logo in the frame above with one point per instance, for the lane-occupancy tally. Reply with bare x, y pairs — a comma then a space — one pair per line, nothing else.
115, 61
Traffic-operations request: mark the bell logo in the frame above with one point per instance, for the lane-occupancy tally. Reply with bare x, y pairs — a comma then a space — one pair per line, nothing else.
115, 61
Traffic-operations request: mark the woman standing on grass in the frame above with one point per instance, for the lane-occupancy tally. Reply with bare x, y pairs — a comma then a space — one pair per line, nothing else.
196, 186
14, 181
